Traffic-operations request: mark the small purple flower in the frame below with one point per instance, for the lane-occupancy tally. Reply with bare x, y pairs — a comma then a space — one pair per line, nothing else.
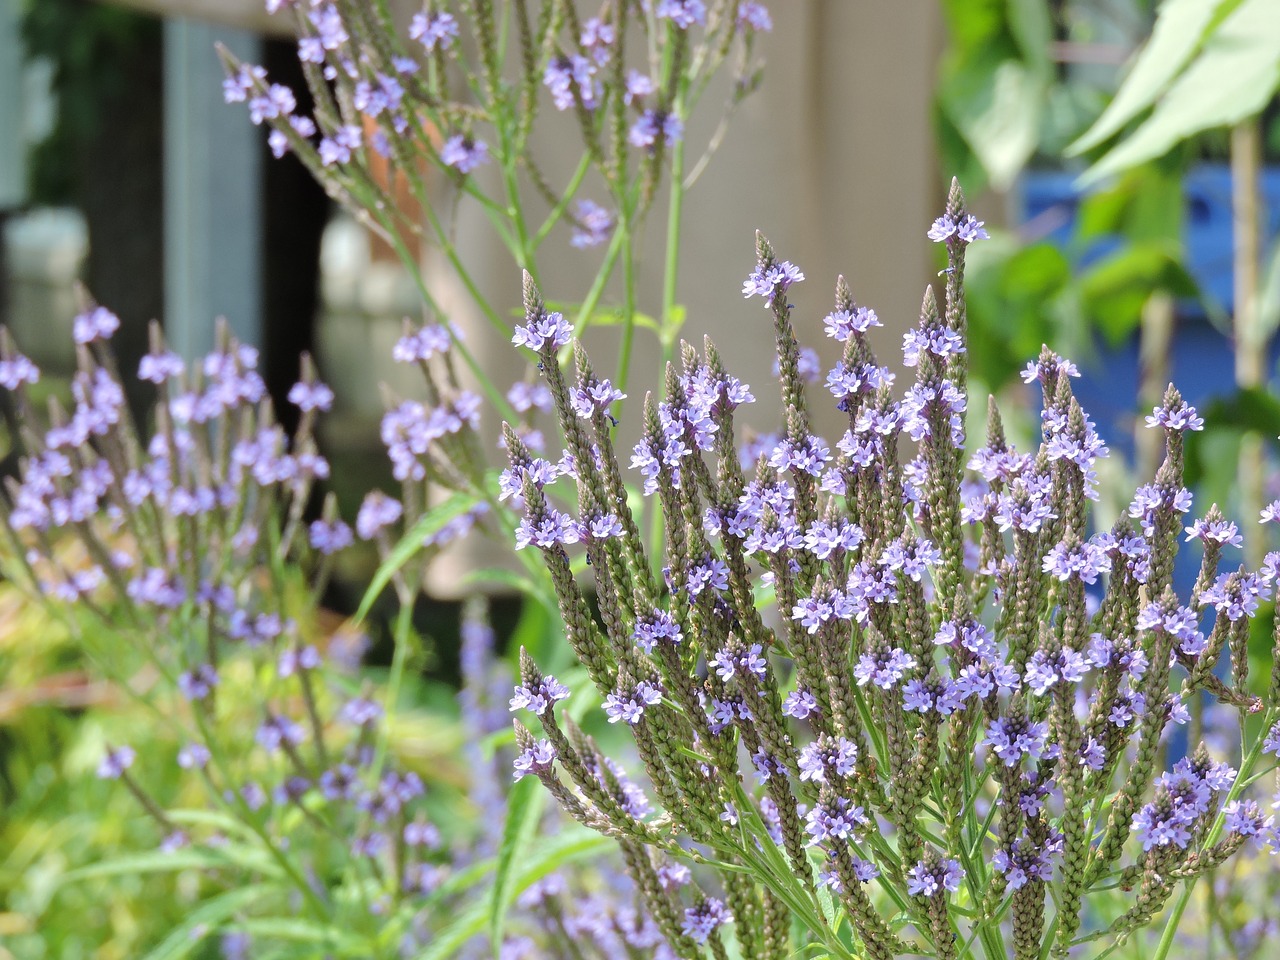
741, 662
628, 706
115, 762
198, 683
799, 703
927, 879
530, 396
1181, 416
593, 224
433, 30
639, 86
376, 513
422, 345
311, 396
540, 698
754, 16
360, 711
657, 627
1271, 743
549, 332
161, 367
684, 14
1012, 739
701, 921
772, 282
329, 537
883, 669
594, 396
535, 759
826, 759
99, 323
297, 660
338, 148
278, 731
463, 153
193, 756
655, 125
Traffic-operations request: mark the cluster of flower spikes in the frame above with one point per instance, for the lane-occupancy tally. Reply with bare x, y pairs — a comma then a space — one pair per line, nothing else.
379, 90
583, 911
964, 699
186, 549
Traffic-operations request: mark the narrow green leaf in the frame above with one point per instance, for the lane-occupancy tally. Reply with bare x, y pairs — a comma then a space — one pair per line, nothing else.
185, 937
525, 804
554, 853
1180, 27
1233, 78
432, 522
156, 861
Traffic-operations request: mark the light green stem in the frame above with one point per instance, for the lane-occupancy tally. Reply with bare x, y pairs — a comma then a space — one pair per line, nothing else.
1188, 886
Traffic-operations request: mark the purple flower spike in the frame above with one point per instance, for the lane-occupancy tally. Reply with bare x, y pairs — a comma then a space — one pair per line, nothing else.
550, 332
539, 699
535, 759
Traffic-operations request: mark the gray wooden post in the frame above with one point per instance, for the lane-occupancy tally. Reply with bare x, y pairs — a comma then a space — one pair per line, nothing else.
12, 128
213, 180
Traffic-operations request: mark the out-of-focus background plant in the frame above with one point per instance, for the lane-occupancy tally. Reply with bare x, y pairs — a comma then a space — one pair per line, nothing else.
1131, 143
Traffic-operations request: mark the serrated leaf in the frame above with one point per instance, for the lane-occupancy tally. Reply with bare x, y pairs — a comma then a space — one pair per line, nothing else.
1233, 78
432, 522
1179, 29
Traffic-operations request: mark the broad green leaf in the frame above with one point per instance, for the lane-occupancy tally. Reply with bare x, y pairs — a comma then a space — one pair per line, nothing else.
1115, 289
996, 106
1180, 27
186, 936
525, 804
432, 522
1234, 77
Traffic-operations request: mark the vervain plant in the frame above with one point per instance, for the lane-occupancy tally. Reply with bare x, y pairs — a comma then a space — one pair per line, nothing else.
177, 554
400, 122
903, 697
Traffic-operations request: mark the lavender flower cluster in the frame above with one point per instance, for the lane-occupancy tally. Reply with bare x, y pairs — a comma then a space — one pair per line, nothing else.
189, 550
899, 687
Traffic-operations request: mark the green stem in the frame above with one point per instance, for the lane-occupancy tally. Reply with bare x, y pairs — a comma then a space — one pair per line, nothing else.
672, 268
400, 637
629, 308
1188, 886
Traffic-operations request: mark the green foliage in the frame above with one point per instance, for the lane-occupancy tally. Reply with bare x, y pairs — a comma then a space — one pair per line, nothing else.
993, 87
1208, 64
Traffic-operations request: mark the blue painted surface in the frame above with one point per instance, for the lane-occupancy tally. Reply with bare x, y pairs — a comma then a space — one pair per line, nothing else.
1051, 197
